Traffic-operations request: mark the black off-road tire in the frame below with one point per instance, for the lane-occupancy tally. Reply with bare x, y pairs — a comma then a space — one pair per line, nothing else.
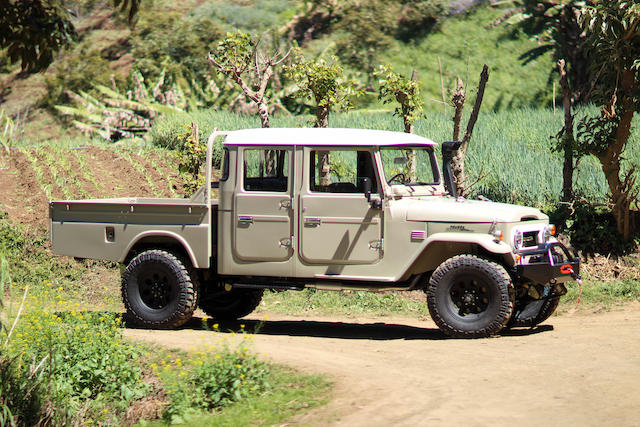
533, 312
230, 305
158, 290
470, 297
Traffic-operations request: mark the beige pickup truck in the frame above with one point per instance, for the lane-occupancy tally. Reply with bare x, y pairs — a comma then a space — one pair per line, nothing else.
326, 209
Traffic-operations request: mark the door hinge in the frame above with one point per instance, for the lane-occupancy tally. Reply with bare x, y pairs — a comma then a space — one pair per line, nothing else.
286, 242
285, 204
376, 244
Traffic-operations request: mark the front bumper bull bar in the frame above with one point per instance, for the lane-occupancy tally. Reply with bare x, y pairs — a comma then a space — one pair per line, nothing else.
548, 264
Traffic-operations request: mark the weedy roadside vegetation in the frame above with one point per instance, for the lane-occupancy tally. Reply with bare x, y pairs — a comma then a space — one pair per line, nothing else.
61, 365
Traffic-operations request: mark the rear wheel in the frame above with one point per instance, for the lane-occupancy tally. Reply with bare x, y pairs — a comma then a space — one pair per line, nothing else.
530, 312
230, 305
158, 290
470, 297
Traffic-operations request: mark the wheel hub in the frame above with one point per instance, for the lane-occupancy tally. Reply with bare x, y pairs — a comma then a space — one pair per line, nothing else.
469, 296
155, 290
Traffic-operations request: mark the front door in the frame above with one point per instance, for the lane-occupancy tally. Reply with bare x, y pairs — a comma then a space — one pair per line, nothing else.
338, 226
263, 208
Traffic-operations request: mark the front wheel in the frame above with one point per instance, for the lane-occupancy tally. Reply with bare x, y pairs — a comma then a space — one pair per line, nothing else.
470, 297
158, 291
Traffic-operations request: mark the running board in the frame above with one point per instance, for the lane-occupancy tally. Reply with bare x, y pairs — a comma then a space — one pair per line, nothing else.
282, 287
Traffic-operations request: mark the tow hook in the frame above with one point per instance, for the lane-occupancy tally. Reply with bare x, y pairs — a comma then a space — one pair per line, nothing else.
567, 269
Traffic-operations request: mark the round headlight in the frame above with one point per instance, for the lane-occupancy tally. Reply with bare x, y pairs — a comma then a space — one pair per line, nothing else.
517, 239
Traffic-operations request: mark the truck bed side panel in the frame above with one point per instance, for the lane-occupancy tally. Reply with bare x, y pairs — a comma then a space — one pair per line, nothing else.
104, 230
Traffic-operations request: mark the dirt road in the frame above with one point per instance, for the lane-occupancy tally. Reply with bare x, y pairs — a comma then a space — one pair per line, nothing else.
581, 369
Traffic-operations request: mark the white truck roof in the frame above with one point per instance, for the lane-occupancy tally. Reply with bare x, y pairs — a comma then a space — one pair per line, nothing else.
324, 137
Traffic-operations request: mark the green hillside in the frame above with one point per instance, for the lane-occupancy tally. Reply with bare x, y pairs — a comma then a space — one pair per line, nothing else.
172, 40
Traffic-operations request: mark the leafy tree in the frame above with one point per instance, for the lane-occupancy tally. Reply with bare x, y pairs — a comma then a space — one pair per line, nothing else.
613, 44
323, 82
555, 23
238, 57
32, 31
395, 86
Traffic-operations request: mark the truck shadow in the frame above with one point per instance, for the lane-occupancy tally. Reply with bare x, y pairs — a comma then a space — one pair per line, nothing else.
342, 330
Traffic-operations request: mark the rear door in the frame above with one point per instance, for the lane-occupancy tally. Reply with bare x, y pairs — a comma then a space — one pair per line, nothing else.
337, 223
263, 208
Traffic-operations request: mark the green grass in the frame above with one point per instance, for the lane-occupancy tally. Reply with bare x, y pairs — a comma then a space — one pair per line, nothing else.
601, 295
344, 303
290, 393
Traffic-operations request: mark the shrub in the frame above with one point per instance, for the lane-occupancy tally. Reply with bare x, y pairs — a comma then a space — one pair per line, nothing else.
67, 366
210, 380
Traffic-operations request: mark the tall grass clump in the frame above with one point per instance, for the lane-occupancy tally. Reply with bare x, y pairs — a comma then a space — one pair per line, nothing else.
510, 150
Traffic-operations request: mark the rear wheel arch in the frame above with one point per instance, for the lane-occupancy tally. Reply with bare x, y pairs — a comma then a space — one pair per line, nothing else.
164, 241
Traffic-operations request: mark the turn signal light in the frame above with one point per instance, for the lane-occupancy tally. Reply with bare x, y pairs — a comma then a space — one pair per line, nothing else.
497, 234
549, 230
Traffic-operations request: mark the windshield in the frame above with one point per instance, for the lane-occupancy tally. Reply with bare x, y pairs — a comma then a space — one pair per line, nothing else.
410, 166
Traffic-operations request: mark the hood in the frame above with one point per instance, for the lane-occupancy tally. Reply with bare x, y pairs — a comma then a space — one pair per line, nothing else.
448, 209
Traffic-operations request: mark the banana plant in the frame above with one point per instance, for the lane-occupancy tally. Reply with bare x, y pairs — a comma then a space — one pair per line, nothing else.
114, 115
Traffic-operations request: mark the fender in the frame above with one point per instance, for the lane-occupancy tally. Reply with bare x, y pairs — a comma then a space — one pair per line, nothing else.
169, 234
485, 241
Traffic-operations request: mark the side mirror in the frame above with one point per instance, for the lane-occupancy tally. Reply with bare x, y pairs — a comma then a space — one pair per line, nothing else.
375, 202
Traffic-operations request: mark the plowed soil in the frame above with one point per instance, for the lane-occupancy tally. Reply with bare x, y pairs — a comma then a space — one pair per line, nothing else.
92, 171
581, 369
28, 180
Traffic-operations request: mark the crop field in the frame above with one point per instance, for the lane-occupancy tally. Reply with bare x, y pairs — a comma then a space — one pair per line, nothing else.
510, 150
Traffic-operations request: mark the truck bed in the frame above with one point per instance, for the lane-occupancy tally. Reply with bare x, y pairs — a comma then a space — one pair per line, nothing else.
109, 228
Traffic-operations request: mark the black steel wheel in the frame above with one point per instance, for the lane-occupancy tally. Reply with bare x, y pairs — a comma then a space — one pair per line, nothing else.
470, 297
230, 305
158, 290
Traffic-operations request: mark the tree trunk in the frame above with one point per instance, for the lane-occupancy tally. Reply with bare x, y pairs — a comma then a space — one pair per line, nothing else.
458, 103
324, 163
412, 170
263, 110
621, 192
457, 162
269, 155
322, 117
568, 138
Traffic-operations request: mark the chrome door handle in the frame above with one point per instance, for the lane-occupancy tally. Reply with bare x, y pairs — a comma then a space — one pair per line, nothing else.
312, 221
245, 219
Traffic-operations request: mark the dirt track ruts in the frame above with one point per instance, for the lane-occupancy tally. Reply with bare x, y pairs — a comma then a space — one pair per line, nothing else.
581, 369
